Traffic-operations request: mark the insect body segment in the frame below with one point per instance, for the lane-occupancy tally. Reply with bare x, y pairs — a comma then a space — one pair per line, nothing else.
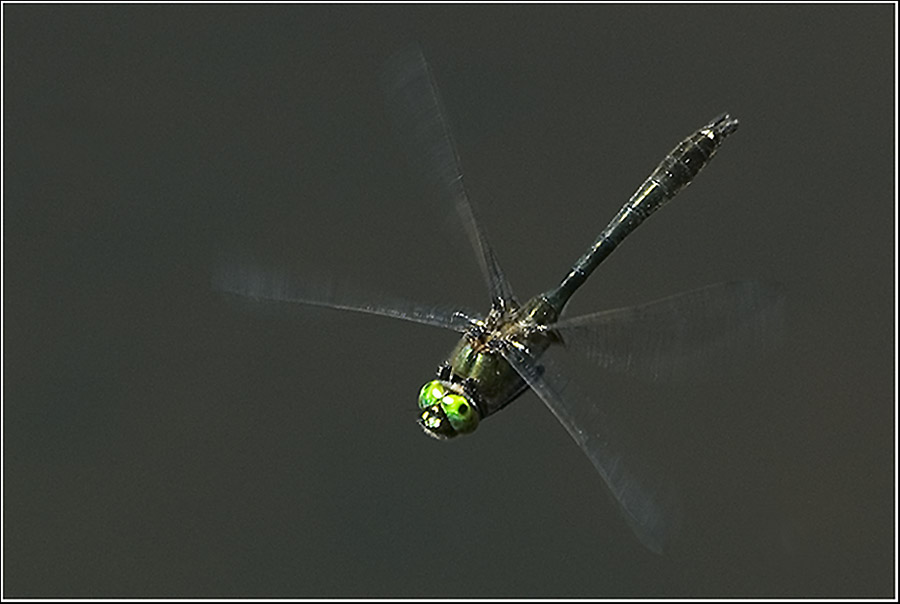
676, 171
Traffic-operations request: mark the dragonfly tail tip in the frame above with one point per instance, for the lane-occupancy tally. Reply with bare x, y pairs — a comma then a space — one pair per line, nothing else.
724, 124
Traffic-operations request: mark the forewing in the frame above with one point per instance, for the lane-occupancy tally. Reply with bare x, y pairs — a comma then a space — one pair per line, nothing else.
418, 111
279, 286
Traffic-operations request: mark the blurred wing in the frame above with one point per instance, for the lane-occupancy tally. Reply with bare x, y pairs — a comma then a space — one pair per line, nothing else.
648, 502
418, 111
700, 328
274, 285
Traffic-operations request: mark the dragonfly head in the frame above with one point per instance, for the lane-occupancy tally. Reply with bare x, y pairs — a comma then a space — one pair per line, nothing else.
445, 411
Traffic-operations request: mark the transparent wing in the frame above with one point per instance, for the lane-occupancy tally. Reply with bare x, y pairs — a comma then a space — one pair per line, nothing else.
418, 111
702, 328
648, 502
277, 285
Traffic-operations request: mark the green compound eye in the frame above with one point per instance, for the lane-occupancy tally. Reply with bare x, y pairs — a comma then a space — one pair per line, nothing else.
460, 413
431, 394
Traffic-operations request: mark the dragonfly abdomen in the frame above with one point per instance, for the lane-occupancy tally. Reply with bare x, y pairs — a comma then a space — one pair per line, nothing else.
674, 172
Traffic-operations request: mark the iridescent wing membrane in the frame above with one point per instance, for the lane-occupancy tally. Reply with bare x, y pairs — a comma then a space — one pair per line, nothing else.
419, 113
279, 285
705, 328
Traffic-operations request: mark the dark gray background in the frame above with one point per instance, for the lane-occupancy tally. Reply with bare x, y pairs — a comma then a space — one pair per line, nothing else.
160, 439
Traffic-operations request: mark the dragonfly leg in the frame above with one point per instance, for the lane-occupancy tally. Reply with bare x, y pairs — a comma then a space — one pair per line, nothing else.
444, 371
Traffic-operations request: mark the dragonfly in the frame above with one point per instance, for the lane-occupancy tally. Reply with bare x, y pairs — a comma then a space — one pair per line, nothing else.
501, 354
